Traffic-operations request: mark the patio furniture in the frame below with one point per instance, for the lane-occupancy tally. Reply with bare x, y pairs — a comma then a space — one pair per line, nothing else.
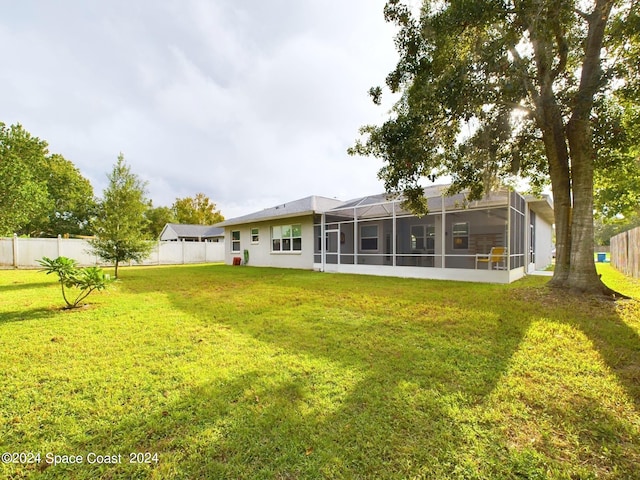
496, 257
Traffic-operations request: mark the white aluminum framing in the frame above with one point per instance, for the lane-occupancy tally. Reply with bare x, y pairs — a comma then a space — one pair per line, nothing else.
356, 214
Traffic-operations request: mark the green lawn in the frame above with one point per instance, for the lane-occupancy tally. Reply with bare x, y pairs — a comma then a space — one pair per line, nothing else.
240, 372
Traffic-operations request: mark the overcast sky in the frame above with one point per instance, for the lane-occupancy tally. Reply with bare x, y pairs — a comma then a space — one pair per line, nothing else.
251, 102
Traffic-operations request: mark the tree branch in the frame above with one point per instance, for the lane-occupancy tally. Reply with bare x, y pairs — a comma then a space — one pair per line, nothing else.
580, 13
519, 64
591, 67
563, 51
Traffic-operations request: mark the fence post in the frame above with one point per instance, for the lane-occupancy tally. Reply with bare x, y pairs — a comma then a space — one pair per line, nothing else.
15, 250
183, 254
627, 242
59, 245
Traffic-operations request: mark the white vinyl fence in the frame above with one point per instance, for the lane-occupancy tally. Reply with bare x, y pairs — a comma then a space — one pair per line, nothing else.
24, 252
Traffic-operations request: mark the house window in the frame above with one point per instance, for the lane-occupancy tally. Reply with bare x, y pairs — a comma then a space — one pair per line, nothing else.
286, 238
430, 237
369, 237
423, 237
235, 241
461, 236
417, 237
255, 235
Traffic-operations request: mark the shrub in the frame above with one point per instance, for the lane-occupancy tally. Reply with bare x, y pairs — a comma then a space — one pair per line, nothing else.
82, 281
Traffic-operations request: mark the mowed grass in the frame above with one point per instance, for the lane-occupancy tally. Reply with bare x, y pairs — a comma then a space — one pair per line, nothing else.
241, 373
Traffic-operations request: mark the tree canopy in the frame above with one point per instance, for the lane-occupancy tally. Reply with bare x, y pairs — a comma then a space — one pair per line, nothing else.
23, 192
499, 89
71, 205
121, 221
41, 194
617, 172
157, 218
198, 210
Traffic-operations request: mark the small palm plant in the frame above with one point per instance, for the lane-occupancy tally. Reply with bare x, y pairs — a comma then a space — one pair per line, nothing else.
72, 278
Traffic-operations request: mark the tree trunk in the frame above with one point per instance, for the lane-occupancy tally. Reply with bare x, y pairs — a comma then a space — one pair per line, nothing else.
115, 274
553, 134
558, 156
582, 274
551, 123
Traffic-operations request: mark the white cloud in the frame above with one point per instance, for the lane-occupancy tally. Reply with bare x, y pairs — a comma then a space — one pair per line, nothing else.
253, 103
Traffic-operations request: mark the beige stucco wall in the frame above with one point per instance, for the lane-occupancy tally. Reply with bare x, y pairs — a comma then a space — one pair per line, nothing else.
544, 243
260, 254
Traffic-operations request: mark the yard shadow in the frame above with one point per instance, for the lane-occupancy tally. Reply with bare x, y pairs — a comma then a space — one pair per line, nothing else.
321, 320
416, 373
240, 429
255, 427
616, 341
27, 315
24, 286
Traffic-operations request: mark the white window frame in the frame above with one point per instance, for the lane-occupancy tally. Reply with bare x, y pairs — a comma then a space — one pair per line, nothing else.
369, 237
235, 241
415, 239
430, 234
255, 236
455, 235
293, 240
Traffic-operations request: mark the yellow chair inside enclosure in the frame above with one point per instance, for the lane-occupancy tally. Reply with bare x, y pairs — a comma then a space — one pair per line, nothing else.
497, 256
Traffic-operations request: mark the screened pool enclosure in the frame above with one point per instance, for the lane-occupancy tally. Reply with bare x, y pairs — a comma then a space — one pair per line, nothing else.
488, 240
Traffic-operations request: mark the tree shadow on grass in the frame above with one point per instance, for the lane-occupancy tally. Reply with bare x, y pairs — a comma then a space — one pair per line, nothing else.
606, 325
27, 315
254, 428
23, 286
415, 377
618, 344
415, 368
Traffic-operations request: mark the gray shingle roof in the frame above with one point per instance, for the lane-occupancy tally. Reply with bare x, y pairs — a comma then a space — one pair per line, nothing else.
371, 205
303, 206
195, 231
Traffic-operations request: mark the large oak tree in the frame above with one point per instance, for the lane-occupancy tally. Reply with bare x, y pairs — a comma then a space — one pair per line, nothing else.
493, 89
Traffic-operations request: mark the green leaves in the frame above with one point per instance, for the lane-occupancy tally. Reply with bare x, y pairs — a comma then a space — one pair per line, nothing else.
120, 226
23, 194
198, 210
71, 278
40, 194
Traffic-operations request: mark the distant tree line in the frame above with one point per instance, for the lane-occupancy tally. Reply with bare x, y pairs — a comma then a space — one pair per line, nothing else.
42, 194
198, 210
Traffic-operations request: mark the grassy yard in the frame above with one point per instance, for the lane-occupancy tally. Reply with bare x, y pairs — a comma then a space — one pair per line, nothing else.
240, 373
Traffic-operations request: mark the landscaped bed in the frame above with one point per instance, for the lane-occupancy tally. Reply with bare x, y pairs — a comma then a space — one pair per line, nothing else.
228, 372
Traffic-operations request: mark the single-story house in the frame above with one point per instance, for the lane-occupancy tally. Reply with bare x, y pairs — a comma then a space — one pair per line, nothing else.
177, 232
497, 239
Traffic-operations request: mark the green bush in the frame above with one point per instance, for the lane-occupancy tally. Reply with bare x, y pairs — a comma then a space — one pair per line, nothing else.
81, 281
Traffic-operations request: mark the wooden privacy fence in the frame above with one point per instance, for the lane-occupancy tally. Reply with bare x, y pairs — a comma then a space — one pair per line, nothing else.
24, 252
625, 252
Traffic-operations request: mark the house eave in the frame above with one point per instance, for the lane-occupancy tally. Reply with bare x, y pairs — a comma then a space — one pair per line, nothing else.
543, 207
248, 221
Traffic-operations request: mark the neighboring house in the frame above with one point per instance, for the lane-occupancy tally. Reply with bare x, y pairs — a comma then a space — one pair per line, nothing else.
176, 232
375, 235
